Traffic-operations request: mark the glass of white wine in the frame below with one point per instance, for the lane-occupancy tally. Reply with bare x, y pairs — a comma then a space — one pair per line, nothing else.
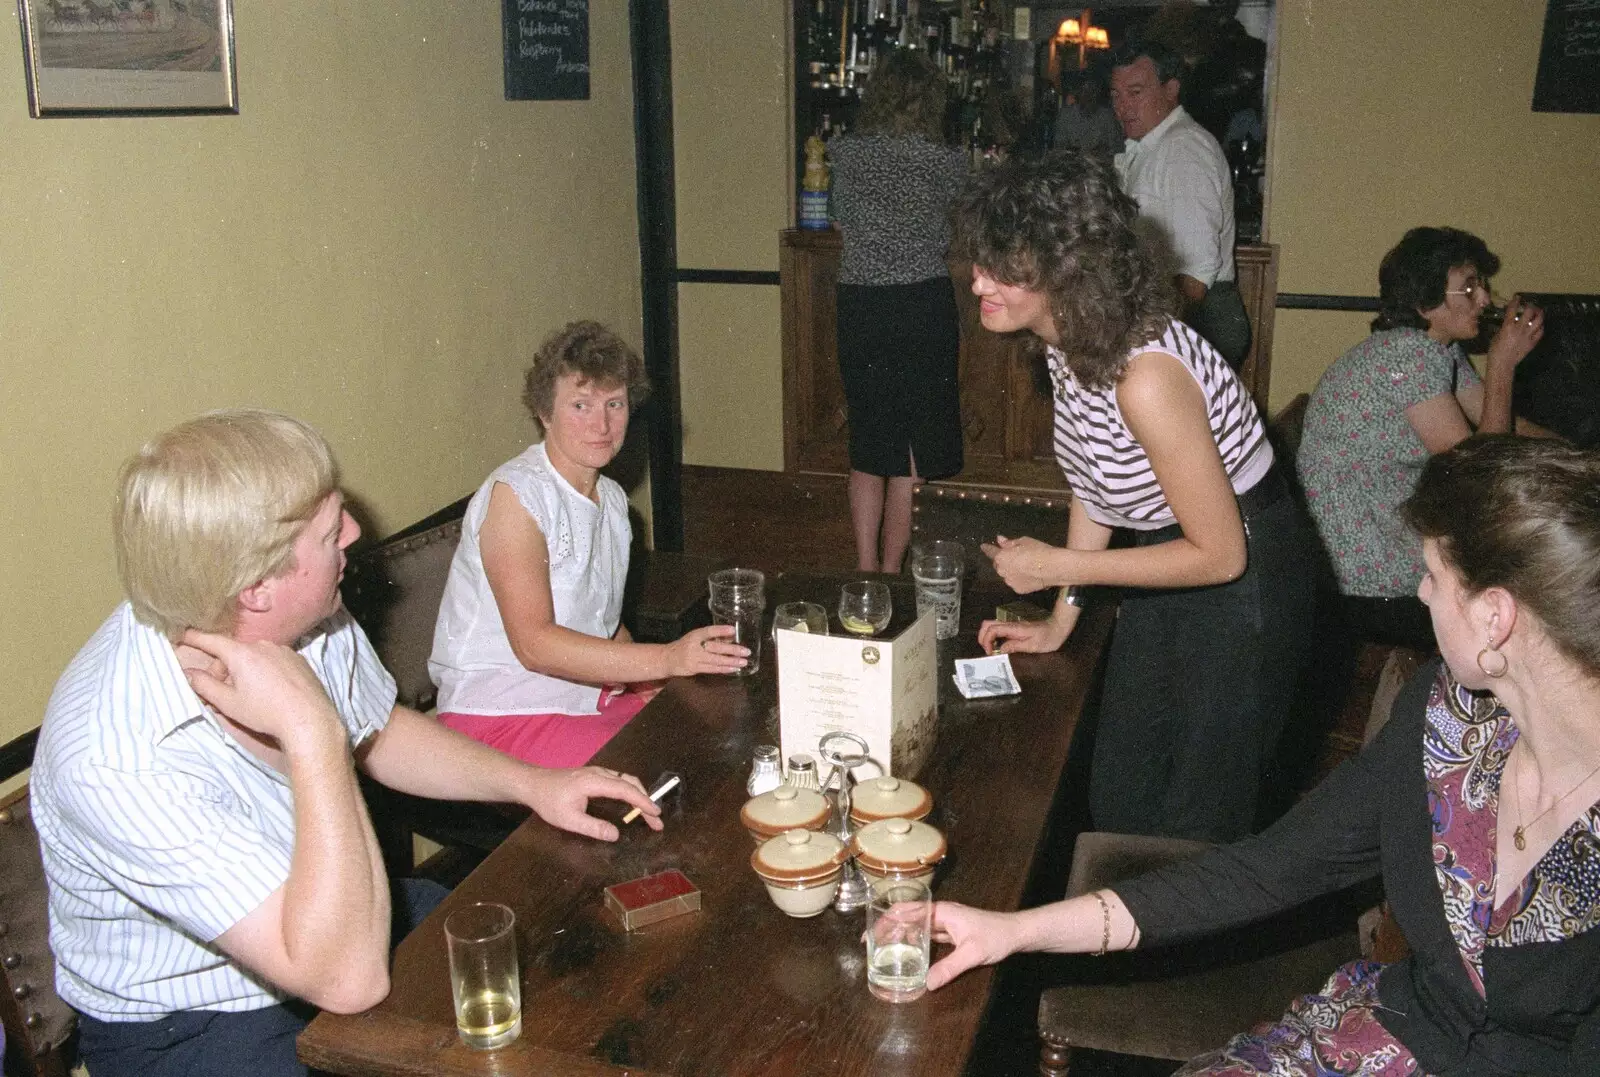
483, 974
865, 607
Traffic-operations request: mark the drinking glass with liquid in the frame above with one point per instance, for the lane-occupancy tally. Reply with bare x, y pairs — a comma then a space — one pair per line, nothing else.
738, 598
899, 939
865, 607
484, 981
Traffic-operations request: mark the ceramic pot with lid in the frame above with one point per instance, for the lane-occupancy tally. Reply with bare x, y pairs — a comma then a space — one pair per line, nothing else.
782, 809
898, 849
888, 798
800, 869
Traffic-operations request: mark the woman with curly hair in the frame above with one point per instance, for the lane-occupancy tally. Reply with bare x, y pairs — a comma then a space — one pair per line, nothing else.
1155, 434
529, 652
1386, 405
894, 177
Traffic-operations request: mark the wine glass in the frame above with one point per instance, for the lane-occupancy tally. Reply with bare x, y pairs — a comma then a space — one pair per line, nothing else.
801, 617
865, 607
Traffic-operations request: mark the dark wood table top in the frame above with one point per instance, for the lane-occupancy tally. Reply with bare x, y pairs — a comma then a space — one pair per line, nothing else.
737, 988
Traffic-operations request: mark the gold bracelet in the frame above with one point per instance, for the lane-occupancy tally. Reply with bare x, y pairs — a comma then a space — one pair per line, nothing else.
1105, 925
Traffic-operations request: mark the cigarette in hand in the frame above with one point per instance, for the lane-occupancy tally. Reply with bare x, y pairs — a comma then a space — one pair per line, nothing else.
664, 785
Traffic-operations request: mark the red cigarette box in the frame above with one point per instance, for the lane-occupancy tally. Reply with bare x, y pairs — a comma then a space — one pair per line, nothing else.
652, 899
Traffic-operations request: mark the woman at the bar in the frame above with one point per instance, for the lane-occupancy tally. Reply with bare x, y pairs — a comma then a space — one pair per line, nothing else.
1478, 803
894, 177
1154, 433
1382, 408
529, 652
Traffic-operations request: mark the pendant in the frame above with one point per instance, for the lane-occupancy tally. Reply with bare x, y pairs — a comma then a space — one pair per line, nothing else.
1518, 840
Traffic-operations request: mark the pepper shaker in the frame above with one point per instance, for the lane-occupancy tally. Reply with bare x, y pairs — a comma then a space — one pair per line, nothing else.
803, 772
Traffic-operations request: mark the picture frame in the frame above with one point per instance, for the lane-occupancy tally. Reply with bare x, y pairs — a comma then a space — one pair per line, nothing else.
128, 57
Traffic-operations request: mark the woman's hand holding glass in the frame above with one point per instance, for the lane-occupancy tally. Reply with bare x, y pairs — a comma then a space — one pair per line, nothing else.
706, 650
1521, 331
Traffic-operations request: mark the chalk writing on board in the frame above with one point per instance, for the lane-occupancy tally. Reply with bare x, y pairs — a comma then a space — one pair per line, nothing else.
546, 49
1569, 58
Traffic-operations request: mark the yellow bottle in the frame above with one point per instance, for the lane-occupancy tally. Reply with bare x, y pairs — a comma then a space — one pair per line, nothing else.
814, 186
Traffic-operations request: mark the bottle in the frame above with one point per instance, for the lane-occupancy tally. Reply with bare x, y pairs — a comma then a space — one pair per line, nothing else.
803, 772
765, 773
814, 187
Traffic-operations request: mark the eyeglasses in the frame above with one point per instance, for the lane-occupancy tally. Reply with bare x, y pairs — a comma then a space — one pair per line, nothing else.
1471, 291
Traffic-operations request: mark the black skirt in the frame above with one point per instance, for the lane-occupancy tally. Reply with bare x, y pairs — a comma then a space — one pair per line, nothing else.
899, 350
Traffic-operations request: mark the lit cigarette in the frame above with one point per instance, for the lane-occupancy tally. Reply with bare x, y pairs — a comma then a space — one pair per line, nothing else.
668, 783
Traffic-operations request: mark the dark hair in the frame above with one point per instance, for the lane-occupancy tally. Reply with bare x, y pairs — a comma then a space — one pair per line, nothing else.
1062, 226
592, 352
905, 96
1522, 514
1169, 65
1415, 273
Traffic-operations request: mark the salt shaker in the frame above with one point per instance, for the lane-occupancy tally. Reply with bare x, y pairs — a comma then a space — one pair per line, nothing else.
803, 772
765, 772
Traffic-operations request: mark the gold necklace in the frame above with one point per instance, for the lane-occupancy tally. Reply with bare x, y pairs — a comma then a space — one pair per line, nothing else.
1519, 835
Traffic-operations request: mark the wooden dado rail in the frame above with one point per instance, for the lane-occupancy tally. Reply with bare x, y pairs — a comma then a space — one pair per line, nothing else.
1006, 415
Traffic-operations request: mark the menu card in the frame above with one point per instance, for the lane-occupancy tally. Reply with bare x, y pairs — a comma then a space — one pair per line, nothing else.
882, 689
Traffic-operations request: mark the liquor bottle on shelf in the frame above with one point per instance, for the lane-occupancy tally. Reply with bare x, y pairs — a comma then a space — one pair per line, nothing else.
814, 187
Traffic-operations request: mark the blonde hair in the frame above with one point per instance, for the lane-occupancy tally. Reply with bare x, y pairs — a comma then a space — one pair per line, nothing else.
211, 507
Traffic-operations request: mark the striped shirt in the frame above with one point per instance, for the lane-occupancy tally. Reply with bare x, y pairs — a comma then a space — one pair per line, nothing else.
1107, 467
159, 831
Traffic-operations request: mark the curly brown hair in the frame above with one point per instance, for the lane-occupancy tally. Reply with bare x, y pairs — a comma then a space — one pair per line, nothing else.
1062, 226
905, 96
592, 352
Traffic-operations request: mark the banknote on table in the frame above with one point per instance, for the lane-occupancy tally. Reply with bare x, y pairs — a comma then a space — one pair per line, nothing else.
981, 678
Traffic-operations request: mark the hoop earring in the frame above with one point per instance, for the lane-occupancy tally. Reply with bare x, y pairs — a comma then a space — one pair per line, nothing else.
1500, 670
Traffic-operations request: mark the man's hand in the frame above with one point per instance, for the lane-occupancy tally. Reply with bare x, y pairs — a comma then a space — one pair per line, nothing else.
979, 937
265, 688
561, 798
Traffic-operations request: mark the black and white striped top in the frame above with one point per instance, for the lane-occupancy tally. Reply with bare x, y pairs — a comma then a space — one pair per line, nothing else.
1107, 467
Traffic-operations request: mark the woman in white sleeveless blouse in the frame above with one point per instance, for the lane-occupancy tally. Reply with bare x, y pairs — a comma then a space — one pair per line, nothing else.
1155, 434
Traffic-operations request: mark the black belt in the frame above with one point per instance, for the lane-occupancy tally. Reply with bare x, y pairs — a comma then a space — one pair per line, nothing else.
1272, 489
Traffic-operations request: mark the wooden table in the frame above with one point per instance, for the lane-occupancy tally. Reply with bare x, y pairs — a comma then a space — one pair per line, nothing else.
738, 988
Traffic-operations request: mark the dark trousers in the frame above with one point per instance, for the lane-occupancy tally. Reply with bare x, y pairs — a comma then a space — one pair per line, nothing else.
210, 1043
1198, 684
1395, 622
1221, 320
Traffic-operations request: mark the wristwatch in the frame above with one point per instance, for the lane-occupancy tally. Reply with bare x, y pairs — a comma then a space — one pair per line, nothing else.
1072, 595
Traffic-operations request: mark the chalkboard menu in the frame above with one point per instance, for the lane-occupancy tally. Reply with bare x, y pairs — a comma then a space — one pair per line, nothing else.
1569, 58
547, 49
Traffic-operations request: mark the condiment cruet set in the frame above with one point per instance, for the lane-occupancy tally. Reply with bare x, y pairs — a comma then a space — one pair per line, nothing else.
829, 842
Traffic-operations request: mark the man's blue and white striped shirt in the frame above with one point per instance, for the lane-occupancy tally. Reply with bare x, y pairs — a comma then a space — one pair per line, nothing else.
159, 831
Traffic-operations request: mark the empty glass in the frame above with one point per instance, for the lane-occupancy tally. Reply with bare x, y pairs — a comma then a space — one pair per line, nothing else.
801, 617
865, 607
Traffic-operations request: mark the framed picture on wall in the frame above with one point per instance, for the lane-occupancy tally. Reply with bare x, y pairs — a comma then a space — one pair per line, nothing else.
128, 57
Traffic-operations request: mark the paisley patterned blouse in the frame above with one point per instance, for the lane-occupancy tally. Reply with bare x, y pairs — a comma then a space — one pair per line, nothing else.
1468, 738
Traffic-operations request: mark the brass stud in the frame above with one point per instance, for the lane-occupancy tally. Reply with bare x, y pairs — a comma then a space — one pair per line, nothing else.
5, 817
35, 1020
22, 990
11, 961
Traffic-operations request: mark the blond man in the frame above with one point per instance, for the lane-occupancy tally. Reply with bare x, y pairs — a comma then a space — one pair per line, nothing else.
210, 860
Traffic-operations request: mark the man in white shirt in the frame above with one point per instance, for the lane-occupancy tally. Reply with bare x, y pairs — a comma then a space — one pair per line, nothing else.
210, 860
1177, 173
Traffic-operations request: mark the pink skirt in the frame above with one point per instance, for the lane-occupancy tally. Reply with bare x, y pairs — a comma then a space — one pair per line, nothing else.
553, 740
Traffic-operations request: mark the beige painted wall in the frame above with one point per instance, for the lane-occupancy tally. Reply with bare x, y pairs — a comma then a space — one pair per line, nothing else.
731, 122
376, 243
1389, 115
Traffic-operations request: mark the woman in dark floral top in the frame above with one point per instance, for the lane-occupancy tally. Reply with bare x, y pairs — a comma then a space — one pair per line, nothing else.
894, 178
